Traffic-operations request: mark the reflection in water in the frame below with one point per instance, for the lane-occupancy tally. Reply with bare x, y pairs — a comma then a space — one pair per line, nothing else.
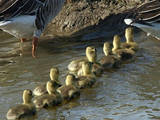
129, 93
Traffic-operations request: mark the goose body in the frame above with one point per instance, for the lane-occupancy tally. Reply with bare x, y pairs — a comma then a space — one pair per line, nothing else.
41, 89
69, 90
75, 67
24, 110
46, 100
147, 18
91, 56
109, 60
27, 19
20, 27
122, 54
51, 99
130, 43
87, 79
21, 111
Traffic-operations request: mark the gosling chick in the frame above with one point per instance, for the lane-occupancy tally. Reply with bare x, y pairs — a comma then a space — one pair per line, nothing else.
91, 55
69, 91
75, 65
88, 78
123, 54
130, 44
51, 99
54, 74
109, 60
24, 110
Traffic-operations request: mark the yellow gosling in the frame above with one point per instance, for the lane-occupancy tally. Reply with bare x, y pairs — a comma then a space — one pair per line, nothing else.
24, 110
92, 58
123, 54
69, 90
75, 65
91, 55
109, 60
88, 78
54, 74
130, 44
51, 99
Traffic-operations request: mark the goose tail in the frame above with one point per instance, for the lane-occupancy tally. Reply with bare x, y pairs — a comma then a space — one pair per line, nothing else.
128, 21
4, 23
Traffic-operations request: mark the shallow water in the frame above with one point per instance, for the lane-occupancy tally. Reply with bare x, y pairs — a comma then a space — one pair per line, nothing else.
129, 93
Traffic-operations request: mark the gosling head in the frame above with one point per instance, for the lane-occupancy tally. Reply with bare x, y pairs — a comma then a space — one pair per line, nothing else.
54, 74
27, 96
129, 35
50, 88
106, 48
91, 54
116, 42
86, 68
70, 79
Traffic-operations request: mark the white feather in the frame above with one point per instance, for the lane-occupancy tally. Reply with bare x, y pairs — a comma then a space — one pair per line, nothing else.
128, 21
20, 27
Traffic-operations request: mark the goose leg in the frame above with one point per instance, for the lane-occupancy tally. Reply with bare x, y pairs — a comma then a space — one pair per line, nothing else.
22, 40
34, 46
21, 45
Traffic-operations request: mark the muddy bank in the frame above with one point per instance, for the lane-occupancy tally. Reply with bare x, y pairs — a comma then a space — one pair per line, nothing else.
84, 16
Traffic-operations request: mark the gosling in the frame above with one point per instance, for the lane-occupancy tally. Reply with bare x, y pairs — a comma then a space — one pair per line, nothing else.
69, 90
109, 60
27, 109
54, 74
123, 54
51, 99
91, 56
88, 78
130, 44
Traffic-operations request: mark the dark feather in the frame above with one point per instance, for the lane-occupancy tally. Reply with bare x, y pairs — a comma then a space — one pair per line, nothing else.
148, 12
11, 8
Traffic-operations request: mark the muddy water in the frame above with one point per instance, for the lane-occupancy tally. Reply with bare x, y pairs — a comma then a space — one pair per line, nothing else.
129, 93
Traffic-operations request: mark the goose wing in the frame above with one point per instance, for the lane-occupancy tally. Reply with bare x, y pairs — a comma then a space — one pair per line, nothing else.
149, 12
47, 12
11, 8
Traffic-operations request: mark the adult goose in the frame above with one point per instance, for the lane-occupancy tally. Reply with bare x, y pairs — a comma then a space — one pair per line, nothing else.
27, 19
147, 18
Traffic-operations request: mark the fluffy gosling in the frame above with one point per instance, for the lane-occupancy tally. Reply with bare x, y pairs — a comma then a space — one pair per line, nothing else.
129, 44
51, 99
123, 54
69, 90
109, 60
88, 78
75, 65
24, 110
54, 74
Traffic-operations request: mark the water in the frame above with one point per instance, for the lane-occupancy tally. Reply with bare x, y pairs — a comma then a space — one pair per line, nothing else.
129, 93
